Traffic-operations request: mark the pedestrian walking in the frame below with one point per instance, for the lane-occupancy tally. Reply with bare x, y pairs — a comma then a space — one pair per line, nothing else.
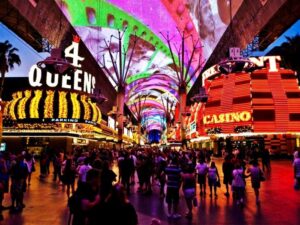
202, 169
227, 168
257, 176
189, 188
213, 179
238, 184
173, 172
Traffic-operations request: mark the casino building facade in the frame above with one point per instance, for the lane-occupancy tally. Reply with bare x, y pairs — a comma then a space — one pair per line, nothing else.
250, 108
60, 111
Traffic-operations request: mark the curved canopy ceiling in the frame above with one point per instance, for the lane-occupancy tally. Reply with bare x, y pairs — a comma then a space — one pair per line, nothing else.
150, 73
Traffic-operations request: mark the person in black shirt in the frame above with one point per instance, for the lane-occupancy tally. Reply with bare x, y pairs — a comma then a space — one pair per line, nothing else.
117, 209
126, 167
88, 199
227, 168
69, 174
266, 160
107, 178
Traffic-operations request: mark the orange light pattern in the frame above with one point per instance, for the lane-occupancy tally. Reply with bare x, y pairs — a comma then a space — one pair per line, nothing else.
86, 106
16, 97
22, 104
34, 105
48, 110
42, 106
63, 105
76, 106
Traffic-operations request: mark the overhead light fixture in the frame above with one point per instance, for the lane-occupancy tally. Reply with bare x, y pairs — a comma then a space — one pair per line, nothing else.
98, 97
56, 63
235, 63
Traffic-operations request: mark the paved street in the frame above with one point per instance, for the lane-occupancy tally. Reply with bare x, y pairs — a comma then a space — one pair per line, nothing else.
280, 204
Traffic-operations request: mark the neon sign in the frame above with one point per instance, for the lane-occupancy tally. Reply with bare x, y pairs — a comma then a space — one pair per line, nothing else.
193, 127
231, 117
259, 62
79, 81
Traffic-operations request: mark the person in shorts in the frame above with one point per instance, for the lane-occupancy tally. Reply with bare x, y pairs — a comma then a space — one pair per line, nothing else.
189, 188
202, 169
173, 172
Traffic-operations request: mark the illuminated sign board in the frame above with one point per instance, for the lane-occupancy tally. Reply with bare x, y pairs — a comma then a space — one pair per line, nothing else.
259, 62
80, 141
231, 117
272, 60
111, 123
79, 81
193, 127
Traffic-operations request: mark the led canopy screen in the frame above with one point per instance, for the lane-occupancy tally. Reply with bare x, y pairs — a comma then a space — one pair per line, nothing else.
98, 23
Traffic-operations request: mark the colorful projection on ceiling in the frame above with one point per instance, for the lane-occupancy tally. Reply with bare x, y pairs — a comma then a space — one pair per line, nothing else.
150, 73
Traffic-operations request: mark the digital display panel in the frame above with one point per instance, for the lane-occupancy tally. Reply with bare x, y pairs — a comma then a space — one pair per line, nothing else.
98, 22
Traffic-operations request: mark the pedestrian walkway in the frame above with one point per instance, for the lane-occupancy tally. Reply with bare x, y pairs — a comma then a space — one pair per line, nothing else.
46, 204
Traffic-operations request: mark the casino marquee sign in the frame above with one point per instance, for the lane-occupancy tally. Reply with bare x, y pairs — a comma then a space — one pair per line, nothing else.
232, 117
57, 97
79, 80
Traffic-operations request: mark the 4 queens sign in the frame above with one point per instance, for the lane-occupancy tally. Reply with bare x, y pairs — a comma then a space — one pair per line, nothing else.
80, 80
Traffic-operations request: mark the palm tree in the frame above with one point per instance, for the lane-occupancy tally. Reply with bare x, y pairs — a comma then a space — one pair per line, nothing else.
291, 52
8, 58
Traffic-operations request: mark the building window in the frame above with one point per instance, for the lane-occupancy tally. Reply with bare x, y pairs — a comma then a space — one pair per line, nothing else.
258, 76
262, 95
294, 116
288, 76
240, 100
216, 87
293, 94
263, 115
213, 103
242, 82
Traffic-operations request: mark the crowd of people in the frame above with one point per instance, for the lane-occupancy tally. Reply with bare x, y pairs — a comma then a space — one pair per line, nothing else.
95, 192
168, 169
15, 177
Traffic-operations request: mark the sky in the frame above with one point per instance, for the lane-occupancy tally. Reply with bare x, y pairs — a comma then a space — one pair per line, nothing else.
292, 31
28, 55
